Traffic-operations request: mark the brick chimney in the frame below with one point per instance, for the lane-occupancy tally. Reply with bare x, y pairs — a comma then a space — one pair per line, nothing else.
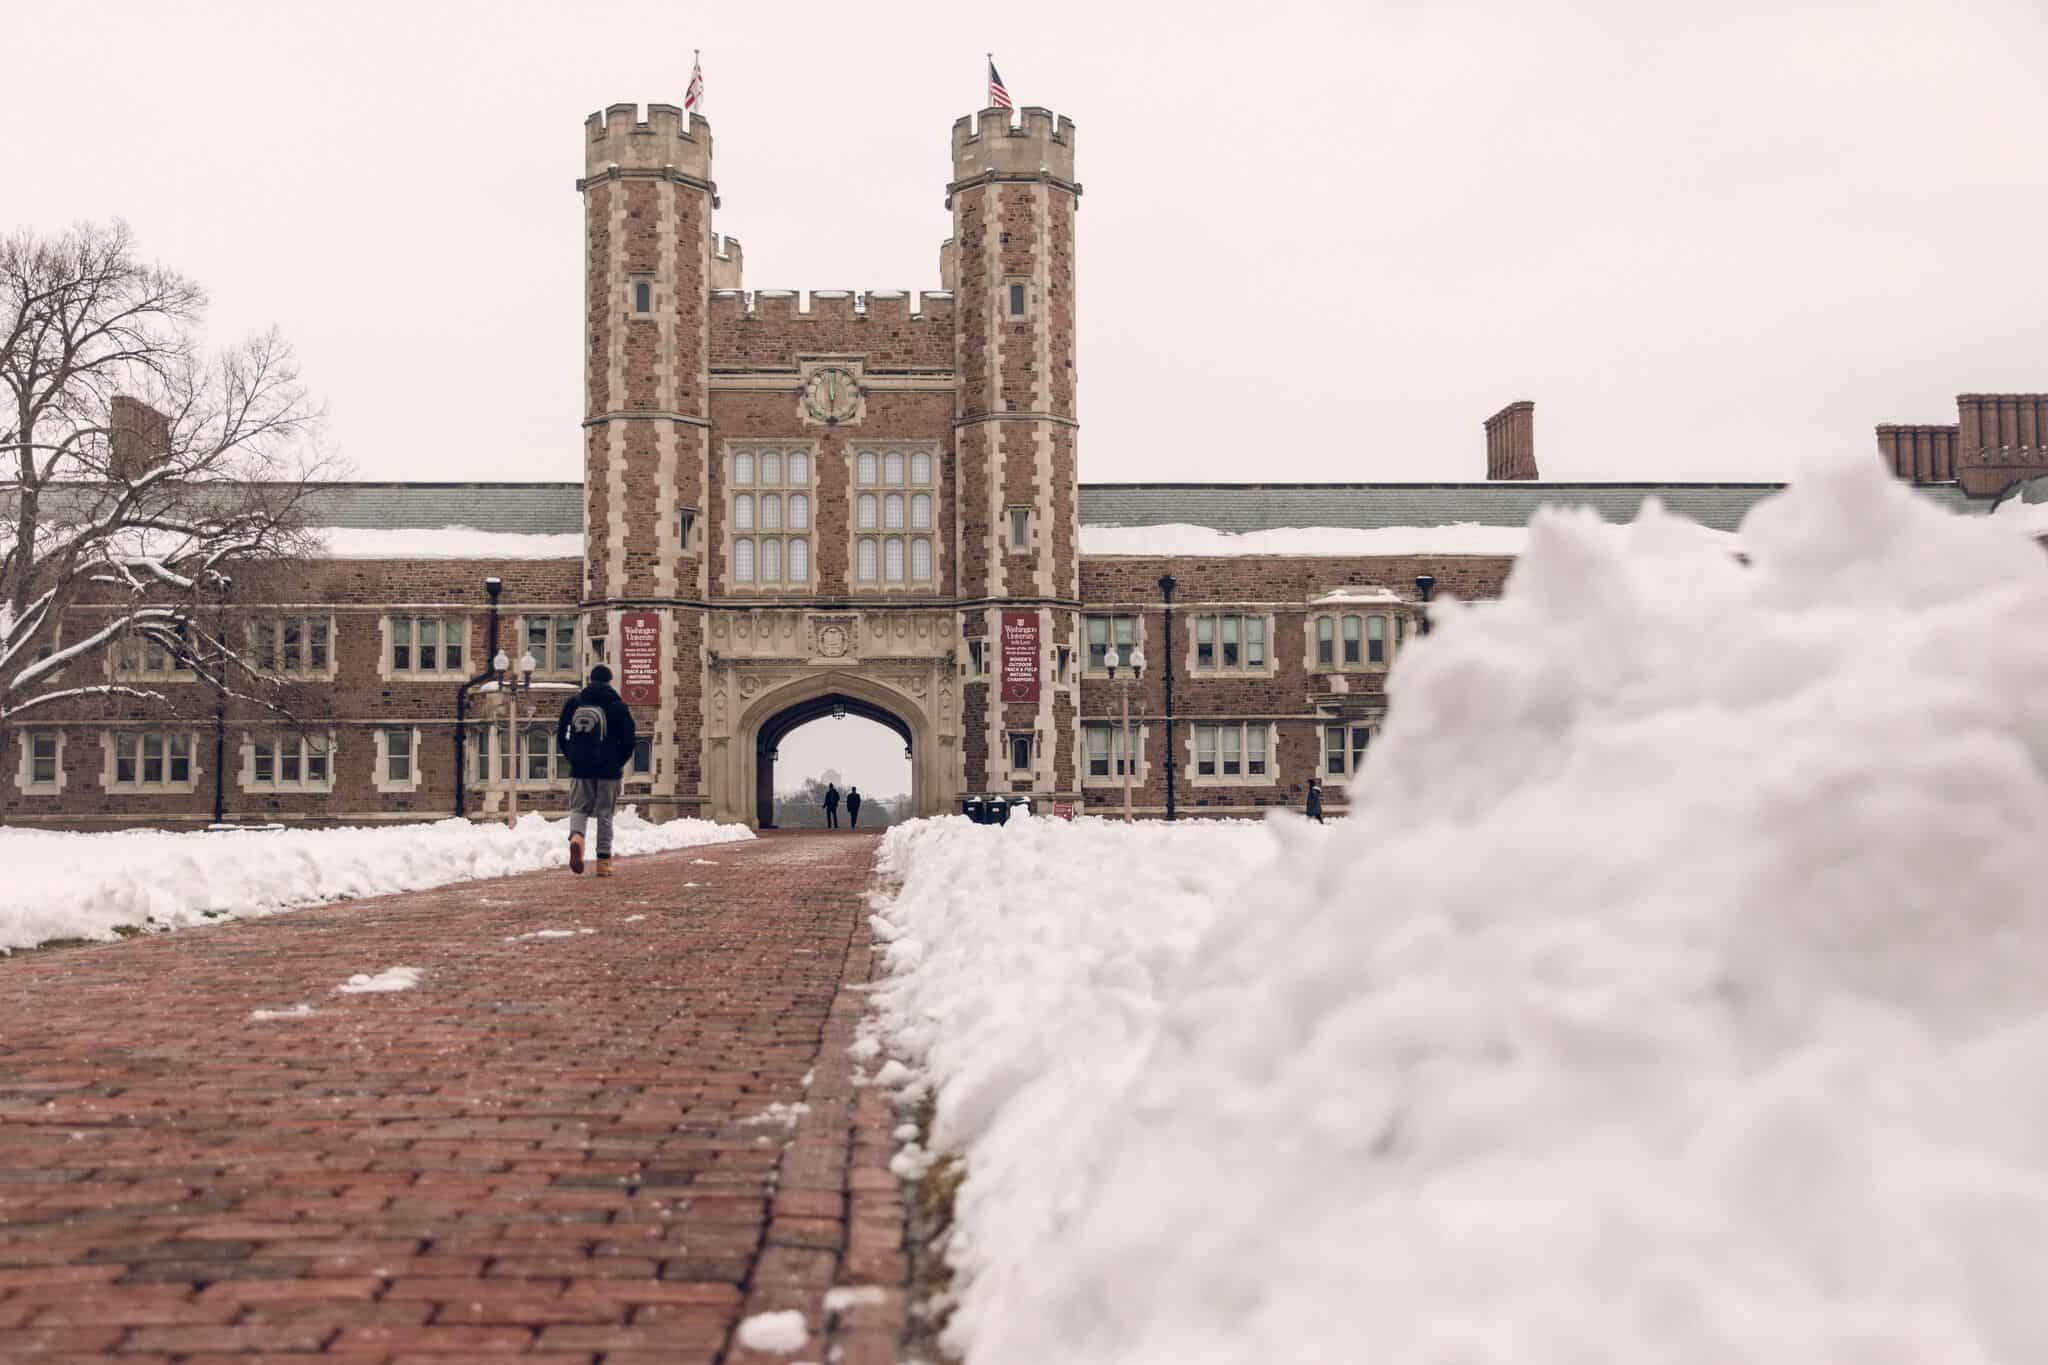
1918, 454
139, 437
1511, 442
2003, 438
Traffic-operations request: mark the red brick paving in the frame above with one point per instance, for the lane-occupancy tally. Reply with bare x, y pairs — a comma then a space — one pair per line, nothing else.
543, 1150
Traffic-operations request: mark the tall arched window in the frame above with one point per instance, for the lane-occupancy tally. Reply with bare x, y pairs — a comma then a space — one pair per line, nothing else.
920, 467
1376, 639
865, 468
743, 468
1351, 640
799, 562
743, 561
892, 512
771, 512
921, 560
799, 468
892, 468
892, 559
799, 512
865, 512
771, 560
771, 468
1326, 635
920, 511
867, 559
743, 512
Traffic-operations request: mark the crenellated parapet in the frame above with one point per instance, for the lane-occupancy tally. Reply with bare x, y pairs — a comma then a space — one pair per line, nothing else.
988, 143
666, 138
834, 305
726, 263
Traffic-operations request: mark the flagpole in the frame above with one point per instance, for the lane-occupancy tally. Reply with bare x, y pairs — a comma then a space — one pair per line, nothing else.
984, 77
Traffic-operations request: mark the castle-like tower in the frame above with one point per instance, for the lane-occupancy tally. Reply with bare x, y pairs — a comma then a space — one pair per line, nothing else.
1014, 198
834, 509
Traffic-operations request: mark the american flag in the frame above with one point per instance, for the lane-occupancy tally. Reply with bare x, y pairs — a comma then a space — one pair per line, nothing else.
693, 98
998, 98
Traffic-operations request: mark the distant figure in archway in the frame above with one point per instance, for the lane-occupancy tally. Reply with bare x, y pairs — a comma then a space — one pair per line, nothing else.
831, 804
853, 807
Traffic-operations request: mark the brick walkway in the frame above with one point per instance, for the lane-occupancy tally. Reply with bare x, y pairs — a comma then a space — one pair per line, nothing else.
558, 1147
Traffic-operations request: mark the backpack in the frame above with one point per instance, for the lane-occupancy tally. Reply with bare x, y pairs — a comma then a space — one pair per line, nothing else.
585, 735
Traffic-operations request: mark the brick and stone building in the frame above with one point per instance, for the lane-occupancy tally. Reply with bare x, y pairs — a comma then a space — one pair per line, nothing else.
850, 503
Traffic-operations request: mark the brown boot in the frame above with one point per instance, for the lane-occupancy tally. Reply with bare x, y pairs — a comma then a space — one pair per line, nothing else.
604, 868
576, 854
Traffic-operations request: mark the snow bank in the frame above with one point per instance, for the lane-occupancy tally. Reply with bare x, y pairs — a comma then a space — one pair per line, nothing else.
1677, 992
1459, 538
90, 885
444, 542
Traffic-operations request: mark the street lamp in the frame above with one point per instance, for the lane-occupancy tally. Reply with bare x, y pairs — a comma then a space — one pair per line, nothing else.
510, 685
1124, 681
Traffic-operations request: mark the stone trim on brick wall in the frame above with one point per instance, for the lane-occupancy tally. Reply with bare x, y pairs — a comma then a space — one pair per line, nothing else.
1141, 743
245, 778
108, 754
1192, 775
379, 778
23, 780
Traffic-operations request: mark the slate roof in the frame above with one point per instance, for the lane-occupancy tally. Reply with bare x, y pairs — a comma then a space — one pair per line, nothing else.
1241, 507
557, 508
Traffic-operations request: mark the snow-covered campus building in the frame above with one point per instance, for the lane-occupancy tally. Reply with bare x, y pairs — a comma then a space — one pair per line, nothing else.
847, 504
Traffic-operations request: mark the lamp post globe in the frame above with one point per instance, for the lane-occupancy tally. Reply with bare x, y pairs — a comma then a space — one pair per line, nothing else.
526, 665
502, 662
1138, 661
1111, 660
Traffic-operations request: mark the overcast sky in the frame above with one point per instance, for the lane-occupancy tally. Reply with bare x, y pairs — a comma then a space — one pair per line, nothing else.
1317, 242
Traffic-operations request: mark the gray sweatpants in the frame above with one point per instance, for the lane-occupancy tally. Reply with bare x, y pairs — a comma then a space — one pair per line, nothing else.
596, 796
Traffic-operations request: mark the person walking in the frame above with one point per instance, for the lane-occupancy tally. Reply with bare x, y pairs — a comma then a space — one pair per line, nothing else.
1315, 800
831, 805
596, 735
853, 807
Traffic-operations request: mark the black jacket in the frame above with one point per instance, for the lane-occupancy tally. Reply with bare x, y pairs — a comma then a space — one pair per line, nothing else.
609, 764
1315, 801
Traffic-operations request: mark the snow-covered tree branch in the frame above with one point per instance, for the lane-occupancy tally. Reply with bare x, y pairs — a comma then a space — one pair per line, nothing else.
136, 467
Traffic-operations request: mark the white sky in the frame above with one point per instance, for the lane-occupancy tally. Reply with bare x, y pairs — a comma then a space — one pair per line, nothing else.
867, 753
1710, 241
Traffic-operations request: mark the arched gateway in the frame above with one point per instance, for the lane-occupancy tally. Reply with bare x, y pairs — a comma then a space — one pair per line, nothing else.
916, 703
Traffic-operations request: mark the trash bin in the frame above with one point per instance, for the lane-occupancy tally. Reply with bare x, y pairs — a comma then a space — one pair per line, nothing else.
973, 809
1000, 809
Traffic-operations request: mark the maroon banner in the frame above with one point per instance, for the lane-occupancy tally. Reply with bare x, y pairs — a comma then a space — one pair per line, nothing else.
640, 657
1020, 656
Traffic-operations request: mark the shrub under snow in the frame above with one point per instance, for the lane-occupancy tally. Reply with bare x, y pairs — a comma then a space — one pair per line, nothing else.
58, 886
1677, 991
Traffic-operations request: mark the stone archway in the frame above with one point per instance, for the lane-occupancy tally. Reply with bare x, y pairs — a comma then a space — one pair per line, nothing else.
750, 765
772, 732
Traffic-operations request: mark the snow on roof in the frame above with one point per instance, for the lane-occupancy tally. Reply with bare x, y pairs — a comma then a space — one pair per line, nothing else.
445, 542
1359, 595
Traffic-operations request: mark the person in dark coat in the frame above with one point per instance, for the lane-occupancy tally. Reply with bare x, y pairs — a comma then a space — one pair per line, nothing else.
1315, 800
831, 805
853, 807
595, 734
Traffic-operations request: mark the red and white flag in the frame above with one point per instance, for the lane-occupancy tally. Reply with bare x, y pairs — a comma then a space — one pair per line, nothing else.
693, 98
998, 98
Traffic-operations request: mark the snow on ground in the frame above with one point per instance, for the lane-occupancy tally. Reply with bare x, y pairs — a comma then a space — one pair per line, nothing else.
90, 885
778, 1332
1677, 991
383, 983
444, 542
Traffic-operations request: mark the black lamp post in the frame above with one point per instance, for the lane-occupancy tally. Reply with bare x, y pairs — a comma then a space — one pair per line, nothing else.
492, 587
1425, 584
220, 699
1167, 584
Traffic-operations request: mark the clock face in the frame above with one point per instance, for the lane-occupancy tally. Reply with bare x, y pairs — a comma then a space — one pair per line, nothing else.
832, 395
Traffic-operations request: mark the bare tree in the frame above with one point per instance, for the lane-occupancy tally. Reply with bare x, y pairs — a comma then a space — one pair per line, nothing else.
140, 467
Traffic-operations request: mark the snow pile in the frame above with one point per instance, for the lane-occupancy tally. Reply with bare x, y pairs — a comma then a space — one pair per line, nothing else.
1678, 991
90, 885
444, 542
383, 983
1459, 538
779, 1333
